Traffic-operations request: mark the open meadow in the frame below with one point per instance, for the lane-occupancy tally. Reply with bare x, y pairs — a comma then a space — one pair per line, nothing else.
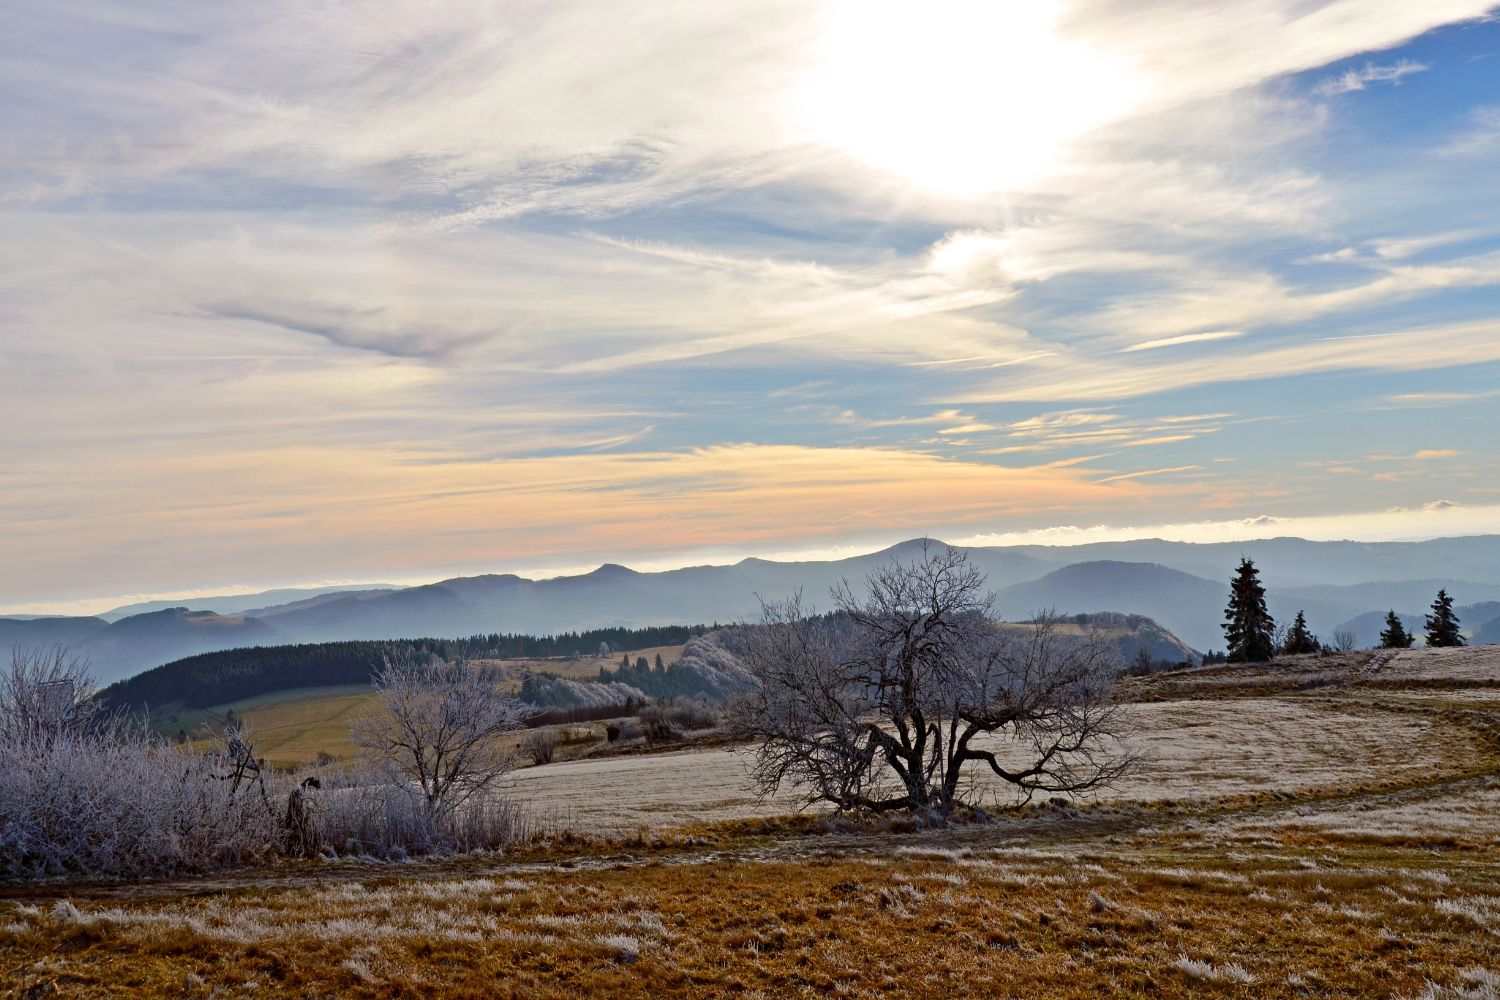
295, 727
1310, 828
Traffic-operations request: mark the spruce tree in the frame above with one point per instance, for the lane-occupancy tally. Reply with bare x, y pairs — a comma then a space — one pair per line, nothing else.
1299, 639
1247, 623
1395, 635
1442, 624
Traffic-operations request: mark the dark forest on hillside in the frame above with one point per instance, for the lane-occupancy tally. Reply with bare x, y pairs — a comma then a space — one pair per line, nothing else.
233, 674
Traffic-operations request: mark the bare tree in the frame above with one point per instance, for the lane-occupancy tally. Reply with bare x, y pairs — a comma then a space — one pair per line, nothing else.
887, 705
540, 746
45, 692
1345, 641
439, 726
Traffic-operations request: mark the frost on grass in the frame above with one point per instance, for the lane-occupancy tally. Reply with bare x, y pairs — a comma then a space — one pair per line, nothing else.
1473, 984
625, 947
1195, 749
1481, 911
470, 911
1470, 813
1229, 972
1470, 665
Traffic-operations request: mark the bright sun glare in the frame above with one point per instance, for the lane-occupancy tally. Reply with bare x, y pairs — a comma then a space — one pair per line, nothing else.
958, 97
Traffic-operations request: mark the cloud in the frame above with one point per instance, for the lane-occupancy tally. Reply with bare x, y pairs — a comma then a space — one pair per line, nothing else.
1186, 338
1148, 472
1404, 524
1439, 398
1407, 350
367, 329
1481, 135
1352, 80
1248, 300
285, 513
1423, 455
441, 250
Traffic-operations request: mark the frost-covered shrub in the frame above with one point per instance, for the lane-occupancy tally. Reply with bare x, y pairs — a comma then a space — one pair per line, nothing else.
362, 815
116, 802
692, 713
715, 662
547, 691
668, 721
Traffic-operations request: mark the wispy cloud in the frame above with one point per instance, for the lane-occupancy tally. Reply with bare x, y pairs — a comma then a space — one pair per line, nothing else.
1408, 350
454, 511
1439, 398
1429, 520
418, 269
1143, 473
1480, 136
1186, 338
367, 329
1352, 80
1423, 455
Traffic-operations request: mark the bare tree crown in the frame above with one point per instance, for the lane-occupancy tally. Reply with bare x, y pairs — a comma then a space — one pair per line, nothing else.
45, 692
893, 703
440, 726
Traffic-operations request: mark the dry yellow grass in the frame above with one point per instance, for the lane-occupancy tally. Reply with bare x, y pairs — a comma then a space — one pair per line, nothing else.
293, 727
964, 913
1378, 876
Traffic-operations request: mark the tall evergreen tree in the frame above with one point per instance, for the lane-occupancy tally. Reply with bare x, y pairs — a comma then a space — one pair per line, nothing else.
1247, 623
1395, 635
1442, 624
1299, 639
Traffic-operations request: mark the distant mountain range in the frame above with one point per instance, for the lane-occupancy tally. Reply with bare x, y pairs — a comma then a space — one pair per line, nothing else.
1183, 586
242, 604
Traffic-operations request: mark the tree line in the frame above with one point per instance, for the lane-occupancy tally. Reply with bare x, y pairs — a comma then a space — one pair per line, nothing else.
232, 674
659, 679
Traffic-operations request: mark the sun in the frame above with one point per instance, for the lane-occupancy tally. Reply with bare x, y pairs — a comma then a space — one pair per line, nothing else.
958, 97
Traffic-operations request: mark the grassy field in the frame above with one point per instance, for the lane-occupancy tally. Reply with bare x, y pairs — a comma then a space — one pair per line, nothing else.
1078, 907
1334, 831
293, 727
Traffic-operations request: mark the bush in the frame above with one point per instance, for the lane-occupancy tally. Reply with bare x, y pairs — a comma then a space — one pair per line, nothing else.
658, 729
540, 746
360, 815
693, 714
119, 803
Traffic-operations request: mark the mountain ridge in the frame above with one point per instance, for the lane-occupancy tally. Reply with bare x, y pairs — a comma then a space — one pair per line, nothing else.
1158, 582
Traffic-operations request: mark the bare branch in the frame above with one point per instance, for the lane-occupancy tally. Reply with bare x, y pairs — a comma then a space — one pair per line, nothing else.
439, 726
887, 704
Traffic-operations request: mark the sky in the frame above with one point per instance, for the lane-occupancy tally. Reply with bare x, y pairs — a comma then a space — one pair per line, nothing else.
300, 292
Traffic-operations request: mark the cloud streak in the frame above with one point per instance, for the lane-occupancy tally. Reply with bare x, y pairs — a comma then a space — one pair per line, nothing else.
1352, 80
